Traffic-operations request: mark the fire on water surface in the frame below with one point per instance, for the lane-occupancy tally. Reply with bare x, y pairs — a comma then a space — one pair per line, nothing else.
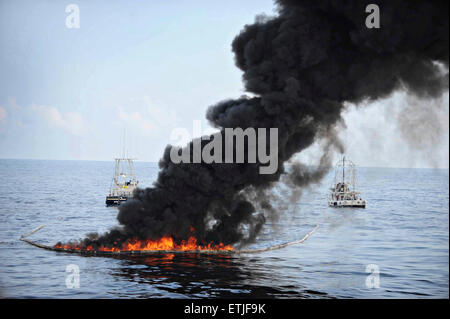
164, 243
145, 247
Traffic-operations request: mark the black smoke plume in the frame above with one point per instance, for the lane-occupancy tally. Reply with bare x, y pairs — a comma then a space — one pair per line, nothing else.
300, 67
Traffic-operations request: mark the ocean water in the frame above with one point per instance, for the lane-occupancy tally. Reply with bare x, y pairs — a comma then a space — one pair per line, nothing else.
398, 247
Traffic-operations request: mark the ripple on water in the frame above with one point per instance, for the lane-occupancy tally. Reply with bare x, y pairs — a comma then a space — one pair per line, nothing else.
407, 241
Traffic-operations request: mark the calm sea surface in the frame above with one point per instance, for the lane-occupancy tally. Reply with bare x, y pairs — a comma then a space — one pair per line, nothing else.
403, 233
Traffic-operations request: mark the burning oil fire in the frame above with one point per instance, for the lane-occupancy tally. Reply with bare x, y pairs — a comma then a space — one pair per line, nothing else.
164, 243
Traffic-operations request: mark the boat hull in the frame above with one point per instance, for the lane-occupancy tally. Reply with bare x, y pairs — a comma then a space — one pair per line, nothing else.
347, 203
115, 200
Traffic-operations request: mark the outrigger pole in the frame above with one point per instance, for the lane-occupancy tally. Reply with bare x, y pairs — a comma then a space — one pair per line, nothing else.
151, 252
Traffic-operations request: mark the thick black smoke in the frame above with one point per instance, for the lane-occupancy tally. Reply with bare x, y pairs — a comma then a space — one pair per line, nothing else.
300, 66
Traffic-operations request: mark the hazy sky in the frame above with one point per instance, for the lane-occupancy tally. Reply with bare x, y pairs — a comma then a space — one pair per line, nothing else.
150, 67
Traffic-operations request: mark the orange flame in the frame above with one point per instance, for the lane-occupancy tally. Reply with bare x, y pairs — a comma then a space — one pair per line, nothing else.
164, 243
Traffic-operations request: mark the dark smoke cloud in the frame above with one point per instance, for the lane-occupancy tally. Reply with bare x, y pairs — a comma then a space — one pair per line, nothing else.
300, 66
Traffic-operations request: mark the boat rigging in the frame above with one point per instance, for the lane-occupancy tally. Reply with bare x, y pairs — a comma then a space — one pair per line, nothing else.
124, 182
343, 193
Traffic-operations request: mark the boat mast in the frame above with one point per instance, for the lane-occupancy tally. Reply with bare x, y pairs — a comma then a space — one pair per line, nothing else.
343, 170
123, 145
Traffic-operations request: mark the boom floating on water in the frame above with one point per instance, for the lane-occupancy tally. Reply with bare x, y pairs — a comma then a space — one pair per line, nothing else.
151, 252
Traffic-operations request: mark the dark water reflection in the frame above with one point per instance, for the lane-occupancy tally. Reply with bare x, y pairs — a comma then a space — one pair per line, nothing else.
203, 275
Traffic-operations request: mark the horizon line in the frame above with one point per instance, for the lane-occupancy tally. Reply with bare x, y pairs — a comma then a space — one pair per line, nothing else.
147, 161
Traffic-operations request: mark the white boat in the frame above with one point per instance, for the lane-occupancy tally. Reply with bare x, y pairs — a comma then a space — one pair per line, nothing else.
123, 184
343, 193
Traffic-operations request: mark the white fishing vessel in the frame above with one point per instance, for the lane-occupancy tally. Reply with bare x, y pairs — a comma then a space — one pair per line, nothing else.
124, 182
343, 193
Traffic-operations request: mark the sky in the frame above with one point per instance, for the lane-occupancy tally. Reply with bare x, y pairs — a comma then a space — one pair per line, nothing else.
141, 69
